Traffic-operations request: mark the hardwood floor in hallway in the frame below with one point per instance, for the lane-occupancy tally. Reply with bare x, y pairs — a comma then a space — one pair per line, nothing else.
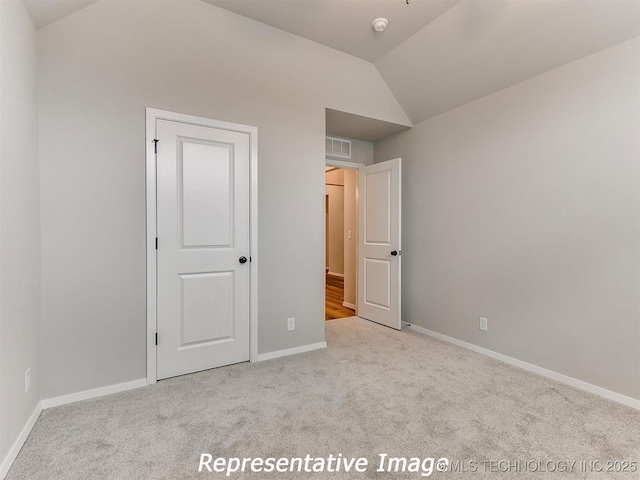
334, 297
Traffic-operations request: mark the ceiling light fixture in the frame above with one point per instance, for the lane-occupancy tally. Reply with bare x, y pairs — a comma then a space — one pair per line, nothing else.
379, 24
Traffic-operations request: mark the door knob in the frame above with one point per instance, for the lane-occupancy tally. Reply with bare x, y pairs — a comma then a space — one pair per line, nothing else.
396, 252
242, 259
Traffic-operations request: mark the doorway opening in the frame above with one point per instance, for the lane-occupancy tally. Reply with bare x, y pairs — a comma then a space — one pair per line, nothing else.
371, 247
341, 242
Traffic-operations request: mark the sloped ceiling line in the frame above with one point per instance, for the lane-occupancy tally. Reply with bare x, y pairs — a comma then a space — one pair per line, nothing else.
436, 55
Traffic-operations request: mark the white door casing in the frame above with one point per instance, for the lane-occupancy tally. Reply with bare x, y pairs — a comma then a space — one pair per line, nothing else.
204, 296
380, 248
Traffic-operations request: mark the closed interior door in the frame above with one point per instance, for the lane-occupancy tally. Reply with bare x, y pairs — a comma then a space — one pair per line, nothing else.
203, 185
379, 256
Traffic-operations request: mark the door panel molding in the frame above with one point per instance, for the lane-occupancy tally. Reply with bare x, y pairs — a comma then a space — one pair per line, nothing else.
152, 117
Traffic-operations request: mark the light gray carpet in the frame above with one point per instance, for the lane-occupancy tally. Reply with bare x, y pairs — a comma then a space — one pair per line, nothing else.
373, 391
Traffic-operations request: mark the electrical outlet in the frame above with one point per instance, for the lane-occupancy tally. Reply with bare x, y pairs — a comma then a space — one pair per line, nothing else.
483, 324
27, 380
291, 323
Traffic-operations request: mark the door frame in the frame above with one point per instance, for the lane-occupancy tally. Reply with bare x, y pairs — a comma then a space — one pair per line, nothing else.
152, 115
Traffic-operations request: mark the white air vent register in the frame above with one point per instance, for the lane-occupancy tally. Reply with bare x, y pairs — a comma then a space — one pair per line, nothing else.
337, 147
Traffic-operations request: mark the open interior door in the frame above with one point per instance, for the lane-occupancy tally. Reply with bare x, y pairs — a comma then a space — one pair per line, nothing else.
379, 254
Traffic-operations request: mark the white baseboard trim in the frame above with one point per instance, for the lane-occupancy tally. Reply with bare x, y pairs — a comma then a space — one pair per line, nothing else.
349, 305
96, 392
291, 351
573, 382
341, 275
17, 445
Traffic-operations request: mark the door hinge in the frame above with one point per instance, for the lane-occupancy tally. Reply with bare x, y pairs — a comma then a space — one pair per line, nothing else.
155, 145
156, 338
156, 243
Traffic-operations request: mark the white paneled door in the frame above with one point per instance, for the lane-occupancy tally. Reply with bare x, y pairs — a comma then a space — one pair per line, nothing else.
203, 185
379, 256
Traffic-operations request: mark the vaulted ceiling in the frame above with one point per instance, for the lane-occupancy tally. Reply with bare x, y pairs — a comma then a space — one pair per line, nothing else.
44, 12
344, 24
480, 47
436, 55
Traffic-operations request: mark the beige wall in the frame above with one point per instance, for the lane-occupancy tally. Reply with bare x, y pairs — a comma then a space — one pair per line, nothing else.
341, 250
350, 244
523, 207
334, 177
19, 223
98, 70
335, 232
334, 189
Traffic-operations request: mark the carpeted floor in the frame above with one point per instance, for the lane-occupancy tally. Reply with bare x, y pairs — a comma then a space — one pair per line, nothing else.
373, 391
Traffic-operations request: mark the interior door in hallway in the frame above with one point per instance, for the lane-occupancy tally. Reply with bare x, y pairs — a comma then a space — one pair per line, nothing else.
203, 188
379, 255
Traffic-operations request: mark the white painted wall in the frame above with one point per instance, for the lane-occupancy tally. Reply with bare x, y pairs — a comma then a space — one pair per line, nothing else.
98, 70
19, 223
523, 207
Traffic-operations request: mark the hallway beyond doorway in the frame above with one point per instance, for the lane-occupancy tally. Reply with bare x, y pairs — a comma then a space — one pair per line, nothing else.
334, 297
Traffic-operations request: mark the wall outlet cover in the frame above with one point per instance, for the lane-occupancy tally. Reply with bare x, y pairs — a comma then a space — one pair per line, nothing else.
483, 324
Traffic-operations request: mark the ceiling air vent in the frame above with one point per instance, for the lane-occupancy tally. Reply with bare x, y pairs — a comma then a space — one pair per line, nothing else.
336, 147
